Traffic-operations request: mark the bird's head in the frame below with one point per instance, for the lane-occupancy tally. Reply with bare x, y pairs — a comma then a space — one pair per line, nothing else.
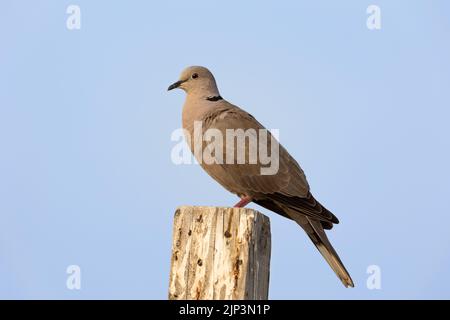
197, 80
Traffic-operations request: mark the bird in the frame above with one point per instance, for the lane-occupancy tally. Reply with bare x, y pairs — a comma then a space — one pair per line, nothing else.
286, 192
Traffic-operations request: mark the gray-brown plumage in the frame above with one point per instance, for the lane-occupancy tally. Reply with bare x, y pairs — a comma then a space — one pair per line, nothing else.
286, 192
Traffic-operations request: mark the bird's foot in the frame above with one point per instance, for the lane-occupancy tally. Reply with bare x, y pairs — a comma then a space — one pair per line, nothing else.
243, 202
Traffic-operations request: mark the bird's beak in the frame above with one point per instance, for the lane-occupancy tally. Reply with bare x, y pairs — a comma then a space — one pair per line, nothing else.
175, 85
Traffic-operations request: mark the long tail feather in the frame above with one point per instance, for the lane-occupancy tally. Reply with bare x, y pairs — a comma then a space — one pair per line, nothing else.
320, 240
316, 233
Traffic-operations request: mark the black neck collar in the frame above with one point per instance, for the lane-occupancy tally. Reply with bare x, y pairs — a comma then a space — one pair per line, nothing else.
215, 98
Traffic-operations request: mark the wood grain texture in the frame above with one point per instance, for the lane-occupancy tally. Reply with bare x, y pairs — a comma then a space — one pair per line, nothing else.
220, 253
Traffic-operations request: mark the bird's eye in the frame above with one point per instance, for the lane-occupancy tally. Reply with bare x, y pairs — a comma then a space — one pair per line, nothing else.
195, 76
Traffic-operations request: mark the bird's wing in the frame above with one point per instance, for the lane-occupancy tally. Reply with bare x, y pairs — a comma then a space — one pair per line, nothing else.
288, 186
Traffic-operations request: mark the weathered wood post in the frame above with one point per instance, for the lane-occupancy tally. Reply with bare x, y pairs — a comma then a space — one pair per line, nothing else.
220, 253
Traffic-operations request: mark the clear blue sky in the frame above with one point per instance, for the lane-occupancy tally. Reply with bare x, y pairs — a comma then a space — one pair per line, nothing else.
86, 176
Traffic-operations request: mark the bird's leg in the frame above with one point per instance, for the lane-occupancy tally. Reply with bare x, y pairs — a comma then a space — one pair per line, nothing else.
243, 202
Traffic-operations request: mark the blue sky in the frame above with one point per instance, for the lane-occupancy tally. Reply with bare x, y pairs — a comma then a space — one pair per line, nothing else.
86, 176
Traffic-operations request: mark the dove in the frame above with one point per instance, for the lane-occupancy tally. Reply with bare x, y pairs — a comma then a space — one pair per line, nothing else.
285, 191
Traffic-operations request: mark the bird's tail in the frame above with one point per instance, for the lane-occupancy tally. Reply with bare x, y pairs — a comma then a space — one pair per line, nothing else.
318, 236
315, 230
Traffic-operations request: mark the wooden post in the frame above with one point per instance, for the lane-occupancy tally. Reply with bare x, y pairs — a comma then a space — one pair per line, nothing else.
220, 253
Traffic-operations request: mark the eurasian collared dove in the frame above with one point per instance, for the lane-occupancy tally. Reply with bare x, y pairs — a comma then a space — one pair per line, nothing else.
286, 192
